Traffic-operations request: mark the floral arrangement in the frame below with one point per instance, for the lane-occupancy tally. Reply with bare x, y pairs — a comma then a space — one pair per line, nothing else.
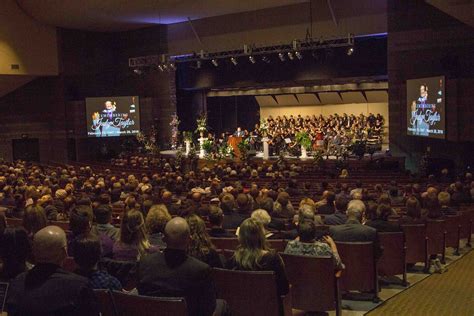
148, 141
201, 122
188, 136
302, 138
263, 127
174, 130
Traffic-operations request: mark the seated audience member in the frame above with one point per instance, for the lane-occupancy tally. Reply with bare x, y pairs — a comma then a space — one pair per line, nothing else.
80, 222
87, 253
47, 289
201, 246
262, 217
344, 174
133, 242
14, 252
282, 208
432, 209
444, 199
413, 212
34, 219
232, 219
339, 217
381, 222
357, 189
103, 219
172, 273
155, 221
307, 245
253, 254
353, 230
328, 207
216, 218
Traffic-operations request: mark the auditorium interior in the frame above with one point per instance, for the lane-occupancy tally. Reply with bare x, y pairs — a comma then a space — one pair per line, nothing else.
271, 157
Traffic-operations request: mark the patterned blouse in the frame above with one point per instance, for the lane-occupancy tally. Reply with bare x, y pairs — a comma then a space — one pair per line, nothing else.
315, 249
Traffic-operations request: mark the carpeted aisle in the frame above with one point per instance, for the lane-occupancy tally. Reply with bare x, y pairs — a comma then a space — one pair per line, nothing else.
450, 293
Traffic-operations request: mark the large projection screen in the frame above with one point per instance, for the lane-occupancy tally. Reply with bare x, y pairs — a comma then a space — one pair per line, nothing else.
426, 112
112, 116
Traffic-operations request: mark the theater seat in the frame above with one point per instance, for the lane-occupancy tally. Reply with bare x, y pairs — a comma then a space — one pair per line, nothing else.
453, 232
416, 244
314, 284
392, 261
251, 293
436, 234
225, 243
114, 303
361, 267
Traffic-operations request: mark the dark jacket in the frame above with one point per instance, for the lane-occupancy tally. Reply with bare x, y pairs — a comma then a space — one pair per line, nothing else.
175, 274
233, 220
47, 289
326, 209
218, 232
353, 231
335, 219
384, 226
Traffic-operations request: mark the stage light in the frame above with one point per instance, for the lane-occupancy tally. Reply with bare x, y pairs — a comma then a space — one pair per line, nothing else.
282, 57
160, 67
234, 61
290, 55
350, 51
165, 67
137, 71
266, 60
215, 62
173, 66
252, 59
299, 55
198, 64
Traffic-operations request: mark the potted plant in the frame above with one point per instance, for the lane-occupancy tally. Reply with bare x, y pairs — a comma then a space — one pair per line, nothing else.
201, 123
206, 147
302, 138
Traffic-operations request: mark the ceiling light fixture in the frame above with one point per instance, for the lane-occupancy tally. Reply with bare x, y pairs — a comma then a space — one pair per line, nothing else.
266, 60
299, 55
252, 59
290, 55
215, 62
282, 57
234, 61
350, 51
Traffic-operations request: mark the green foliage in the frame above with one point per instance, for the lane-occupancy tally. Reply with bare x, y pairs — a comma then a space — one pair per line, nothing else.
188, 136
302, 138
244, 147
207, 145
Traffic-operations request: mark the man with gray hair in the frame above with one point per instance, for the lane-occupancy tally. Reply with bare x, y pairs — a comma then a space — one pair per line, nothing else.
47, 289
353, 230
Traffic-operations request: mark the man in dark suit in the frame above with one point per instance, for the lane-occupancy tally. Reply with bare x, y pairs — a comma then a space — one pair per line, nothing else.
353, 230
328, 207
175, 274
232, 218
47, 289
216, 217
339, 217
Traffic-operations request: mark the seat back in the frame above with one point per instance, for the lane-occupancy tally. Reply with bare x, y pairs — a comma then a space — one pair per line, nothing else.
248, 292
392, 261
114, 303
69, 264
466, 224
361, 267
278, 245
314, 285
225, 243
436, 233
453, 230
415, 241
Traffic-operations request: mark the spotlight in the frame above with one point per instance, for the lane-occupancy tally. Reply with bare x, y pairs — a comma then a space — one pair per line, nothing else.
137, 71
282, 57
198, 64
266, 60
165, 67
252, 59
350, 51
160, 67
234, 61
173, 66
299, 55
215, 63
290, 56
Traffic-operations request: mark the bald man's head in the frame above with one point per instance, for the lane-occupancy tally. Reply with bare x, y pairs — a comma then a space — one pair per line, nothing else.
50, 245
177, 233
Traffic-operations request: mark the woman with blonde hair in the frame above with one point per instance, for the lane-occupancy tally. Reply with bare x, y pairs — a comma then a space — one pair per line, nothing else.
155, 221
133, 242
201, 246
253, 254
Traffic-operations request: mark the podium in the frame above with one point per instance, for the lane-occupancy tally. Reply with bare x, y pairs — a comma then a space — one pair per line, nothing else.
233, 142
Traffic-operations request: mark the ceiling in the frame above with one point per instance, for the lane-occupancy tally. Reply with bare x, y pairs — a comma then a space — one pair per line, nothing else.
120, 15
